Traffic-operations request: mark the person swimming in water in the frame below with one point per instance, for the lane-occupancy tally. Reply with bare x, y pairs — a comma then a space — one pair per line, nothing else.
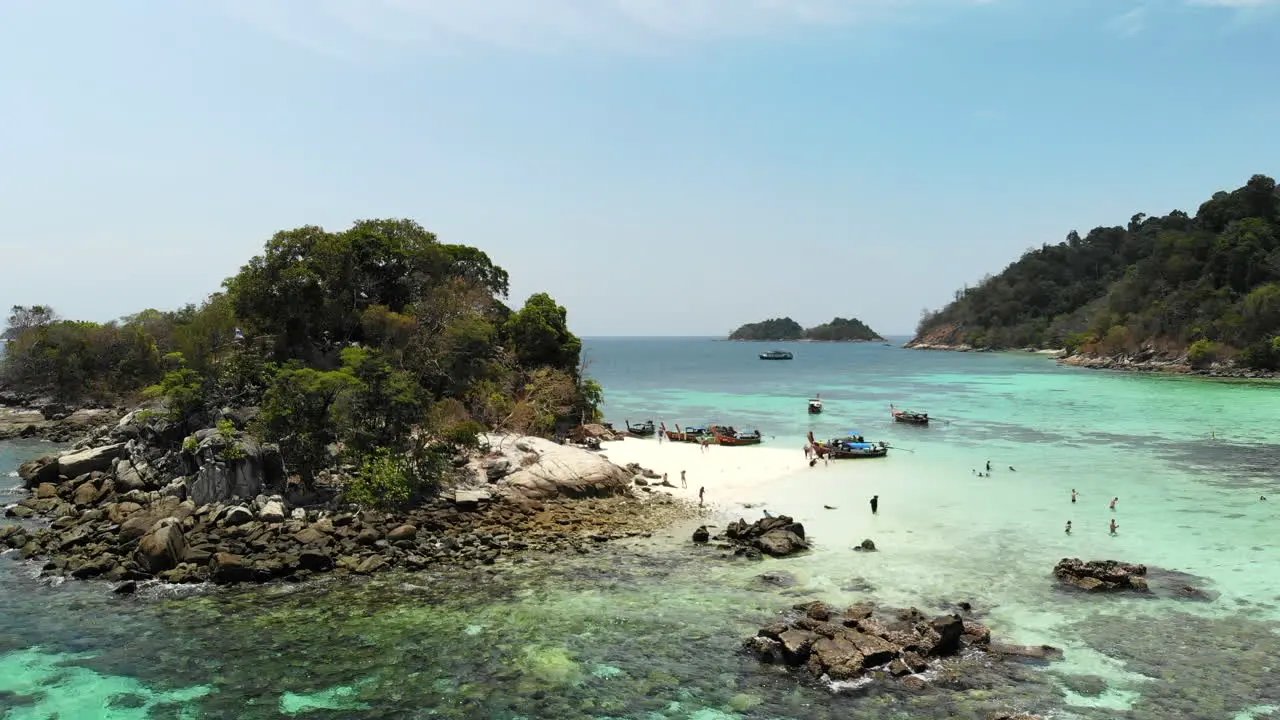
1114, 500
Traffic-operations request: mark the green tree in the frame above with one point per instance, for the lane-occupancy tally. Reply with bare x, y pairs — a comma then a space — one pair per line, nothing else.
540, 335
297, 415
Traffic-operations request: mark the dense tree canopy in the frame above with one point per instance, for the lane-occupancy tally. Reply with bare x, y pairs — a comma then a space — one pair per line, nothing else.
838, 330
1163, 281
842, 330
378, 346
772, 329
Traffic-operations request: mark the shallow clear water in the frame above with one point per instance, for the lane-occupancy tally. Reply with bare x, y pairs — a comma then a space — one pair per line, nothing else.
650, 630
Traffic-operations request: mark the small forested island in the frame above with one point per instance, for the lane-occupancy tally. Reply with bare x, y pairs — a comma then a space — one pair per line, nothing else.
1175, 292
350, 401
778, 329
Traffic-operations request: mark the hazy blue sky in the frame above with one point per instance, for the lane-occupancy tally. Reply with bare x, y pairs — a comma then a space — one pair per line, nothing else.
659, 166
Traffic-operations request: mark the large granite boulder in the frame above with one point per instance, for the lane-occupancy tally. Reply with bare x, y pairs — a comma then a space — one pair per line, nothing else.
1101, 575
161, 549
538, 469
231, 468
778, 536
95, 459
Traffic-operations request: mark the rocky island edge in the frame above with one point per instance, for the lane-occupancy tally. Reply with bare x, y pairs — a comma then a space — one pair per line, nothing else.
1194, 294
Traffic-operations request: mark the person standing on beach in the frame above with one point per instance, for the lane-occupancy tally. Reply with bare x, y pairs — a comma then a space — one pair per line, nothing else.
702, 492
875, 504
1114, 526
683, 483
1074, 494
1113, 503
664, 479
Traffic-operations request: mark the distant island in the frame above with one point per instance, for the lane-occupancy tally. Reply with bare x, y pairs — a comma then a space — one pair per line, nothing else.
778, 329
1177, 292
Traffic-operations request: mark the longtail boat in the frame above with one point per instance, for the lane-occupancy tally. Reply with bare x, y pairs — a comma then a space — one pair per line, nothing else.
644, 429
776, 355
851, 447
727, 435
689, 434
910, 417
815, 405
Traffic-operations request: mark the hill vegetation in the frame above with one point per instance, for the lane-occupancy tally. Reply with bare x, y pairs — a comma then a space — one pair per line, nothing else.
778, 329
378, 347
1207, 285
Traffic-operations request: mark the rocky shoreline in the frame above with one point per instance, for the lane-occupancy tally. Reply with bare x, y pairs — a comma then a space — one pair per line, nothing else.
46, 419
1144, 362
125, 506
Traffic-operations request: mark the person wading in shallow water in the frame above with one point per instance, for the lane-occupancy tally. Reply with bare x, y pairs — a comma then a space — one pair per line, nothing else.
1114, 500
1114, 526
875, 504
1074, 494
1068, 527
683, 483
702, 491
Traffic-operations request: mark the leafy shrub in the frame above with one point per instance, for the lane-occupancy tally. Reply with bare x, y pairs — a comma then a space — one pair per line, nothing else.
386, 479
1262, 355
1203, 353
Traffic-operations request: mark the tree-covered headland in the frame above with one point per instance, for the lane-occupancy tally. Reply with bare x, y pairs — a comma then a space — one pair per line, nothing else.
778, 329
1207, 285
377, 347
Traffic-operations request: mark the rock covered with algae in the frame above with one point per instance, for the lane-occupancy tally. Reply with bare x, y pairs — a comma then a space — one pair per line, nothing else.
862, 641
1101, 575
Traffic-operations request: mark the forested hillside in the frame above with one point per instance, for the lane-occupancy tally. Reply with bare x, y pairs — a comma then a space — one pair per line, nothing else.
1208, 283
838, 330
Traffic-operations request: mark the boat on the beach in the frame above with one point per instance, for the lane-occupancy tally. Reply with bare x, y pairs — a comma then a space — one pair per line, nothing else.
688, 434
776, 355
911, 417
851, 447
644, 429
728, 435
815, 405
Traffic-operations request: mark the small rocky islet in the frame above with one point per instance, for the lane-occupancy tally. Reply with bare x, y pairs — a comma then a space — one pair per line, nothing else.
126, 507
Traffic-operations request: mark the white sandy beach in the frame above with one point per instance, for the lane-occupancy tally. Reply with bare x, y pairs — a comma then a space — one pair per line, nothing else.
731, 475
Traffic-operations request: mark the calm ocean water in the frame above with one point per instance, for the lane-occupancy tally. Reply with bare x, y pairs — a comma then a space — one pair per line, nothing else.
649, 631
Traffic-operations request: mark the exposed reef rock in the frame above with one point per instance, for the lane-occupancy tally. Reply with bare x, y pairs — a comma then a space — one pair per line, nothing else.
1101, 575
864, 641
778, 536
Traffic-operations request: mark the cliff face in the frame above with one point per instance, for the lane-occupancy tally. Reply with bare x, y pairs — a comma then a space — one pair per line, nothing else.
947, 336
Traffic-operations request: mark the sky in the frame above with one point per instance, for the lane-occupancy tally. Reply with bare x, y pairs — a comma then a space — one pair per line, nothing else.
660, 167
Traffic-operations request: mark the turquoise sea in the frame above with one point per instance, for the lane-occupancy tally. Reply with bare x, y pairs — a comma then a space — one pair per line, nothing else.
651, 630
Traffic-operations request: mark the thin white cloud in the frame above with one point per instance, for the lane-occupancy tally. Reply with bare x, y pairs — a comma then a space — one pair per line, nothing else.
548, 25
370, 28
1129, 23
